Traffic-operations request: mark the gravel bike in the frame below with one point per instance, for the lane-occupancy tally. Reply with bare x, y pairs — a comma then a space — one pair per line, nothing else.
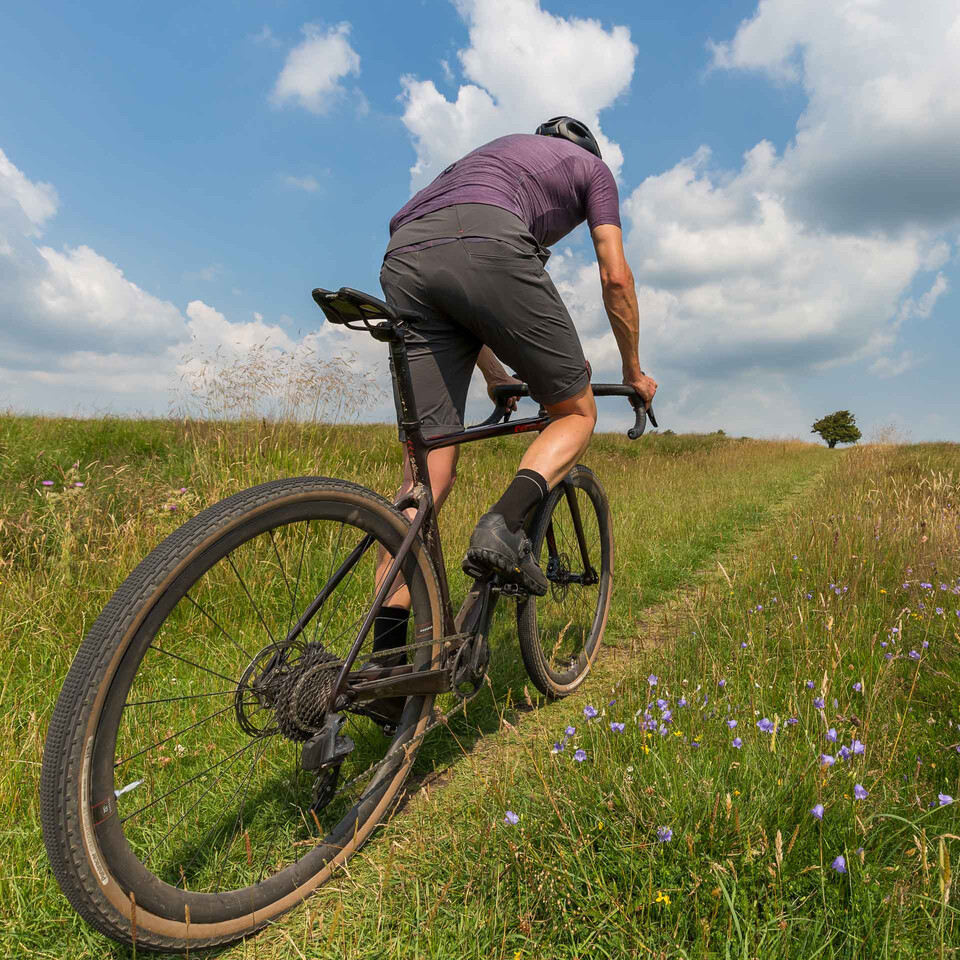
216, 752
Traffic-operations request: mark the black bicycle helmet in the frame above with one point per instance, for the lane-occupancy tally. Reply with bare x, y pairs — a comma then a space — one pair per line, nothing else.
572, 130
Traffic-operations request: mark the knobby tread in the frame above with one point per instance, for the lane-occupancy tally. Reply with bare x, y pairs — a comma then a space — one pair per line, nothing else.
63, 747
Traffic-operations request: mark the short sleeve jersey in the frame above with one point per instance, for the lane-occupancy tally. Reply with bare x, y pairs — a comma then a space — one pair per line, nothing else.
550, 183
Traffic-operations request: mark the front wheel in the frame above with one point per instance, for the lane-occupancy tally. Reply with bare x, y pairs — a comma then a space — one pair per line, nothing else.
176, 810
572, 539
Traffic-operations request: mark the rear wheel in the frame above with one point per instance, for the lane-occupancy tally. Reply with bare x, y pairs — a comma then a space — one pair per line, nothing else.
572, 539
176, 812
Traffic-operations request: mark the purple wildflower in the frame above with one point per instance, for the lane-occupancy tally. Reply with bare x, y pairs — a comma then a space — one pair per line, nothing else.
46, 483
765, 725
558, 747
826, 760
817, 811
682, 702
589, 712
652, 679
818, 702
667, 716
809, 684
570, 731
617, 727
857, 747
831, 735
721, 683
858, 686
511, 818
859, 792
664, 834
914, 655
945, 799
78, 483
737, 743
840, 864
844, 752
731, 723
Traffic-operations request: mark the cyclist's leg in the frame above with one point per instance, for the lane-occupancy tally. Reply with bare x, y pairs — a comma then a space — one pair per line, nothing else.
554, 453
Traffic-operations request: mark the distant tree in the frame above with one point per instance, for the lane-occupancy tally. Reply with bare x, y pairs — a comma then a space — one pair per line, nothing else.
839, 427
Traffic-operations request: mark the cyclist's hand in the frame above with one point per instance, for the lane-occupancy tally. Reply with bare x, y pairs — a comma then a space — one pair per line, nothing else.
645, 386
511, 401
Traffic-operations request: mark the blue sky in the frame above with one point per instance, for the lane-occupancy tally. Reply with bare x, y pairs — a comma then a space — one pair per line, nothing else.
161, 147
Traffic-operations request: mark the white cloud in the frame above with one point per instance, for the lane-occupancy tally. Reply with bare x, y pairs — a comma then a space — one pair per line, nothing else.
308, 184
314, 68
799, 261
20, 197
892, 366
877, 145
75, 331
524, 65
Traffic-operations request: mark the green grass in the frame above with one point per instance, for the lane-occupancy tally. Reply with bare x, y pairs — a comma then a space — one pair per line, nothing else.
678, 501
748, 870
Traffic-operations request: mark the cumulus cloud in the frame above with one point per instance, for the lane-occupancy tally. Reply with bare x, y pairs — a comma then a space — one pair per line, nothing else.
877, 145
76, 332
822, 255
523, 65
314, 68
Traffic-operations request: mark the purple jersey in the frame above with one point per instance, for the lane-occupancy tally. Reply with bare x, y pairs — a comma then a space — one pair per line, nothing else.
551, 184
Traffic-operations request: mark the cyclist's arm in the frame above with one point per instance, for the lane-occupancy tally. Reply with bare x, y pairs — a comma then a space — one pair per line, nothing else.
494, 373
620, 302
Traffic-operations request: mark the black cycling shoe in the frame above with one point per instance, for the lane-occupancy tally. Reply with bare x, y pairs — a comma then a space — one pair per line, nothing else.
494, 549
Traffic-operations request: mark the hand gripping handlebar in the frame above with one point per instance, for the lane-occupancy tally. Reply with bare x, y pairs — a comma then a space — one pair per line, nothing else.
503, 393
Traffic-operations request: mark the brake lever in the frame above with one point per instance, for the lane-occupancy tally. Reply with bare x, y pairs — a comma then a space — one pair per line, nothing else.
500, 412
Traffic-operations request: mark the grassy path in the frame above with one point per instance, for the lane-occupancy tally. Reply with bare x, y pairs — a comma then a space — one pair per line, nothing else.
782, 785
65, 548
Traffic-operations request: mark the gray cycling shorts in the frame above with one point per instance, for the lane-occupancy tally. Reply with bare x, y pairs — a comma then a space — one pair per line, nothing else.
459, 291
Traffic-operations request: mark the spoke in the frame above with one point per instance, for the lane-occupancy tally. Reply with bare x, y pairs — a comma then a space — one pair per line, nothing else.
282, 568
296, 586
190, 809
192, 696
176, 656
333, 561
243, 799
357, 620
252, 602
186, 782
140, 753
220, 628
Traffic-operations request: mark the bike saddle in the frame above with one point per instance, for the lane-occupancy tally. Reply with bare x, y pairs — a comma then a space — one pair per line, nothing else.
348, 306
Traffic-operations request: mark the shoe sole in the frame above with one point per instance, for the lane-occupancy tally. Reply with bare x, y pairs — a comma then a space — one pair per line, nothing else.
479, 562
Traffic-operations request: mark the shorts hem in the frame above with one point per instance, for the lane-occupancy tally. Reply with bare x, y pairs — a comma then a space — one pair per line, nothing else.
558, 396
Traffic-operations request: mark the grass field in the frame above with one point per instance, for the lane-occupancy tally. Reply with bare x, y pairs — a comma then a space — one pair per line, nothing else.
829, 627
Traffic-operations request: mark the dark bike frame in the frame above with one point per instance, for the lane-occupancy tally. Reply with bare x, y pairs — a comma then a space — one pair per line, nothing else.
376, 683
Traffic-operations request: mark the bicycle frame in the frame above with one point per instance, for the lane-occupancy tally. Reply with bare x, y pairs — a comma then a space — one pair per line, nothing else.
375, 683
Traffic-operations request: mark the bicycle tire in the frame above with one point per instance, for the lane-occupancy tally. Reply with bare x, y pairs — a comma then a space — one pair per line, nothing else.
538, 618
92, 870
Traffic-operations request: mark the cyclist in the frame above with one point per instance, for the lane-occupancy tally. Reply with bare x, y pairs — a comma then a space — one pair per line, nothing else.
466, 262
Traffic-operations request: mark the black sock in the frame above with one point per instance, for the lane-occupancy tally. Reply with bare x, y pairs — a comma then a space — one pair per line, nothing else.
524, 493
390, 628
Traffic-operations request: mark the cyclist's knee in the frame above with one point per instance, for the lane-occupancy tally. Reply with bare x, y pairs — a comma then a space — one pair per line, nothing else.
582, 405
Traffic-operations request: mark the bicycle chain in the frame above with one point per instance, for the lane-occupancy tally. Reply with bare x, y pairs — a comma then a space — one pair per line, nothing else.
436, 721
